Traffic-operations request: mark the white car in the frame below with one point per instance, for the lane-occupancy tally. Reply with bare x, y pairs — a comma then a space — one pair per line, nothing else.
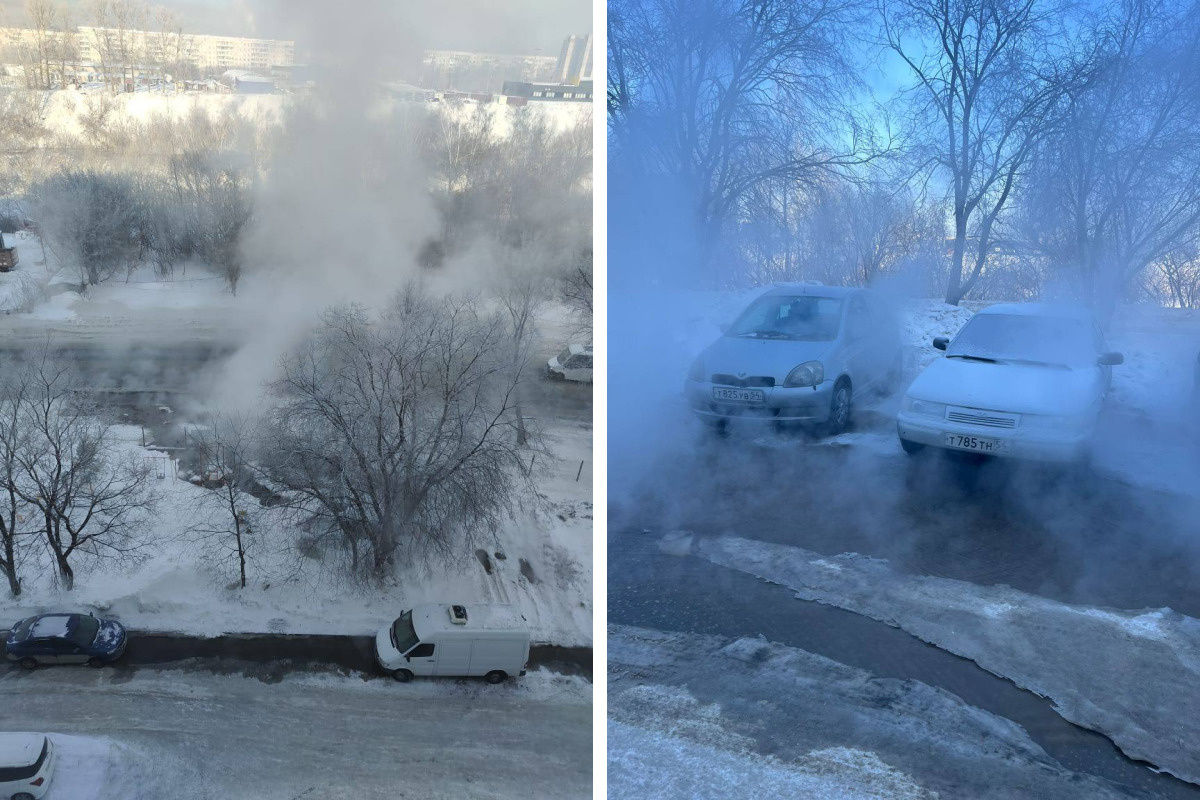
26, 765
1020, 380
572, 364
800, 353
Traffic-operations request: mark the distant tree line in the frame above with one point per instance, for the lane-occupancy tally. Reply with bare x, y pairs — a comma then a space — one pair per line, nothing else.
1032, 147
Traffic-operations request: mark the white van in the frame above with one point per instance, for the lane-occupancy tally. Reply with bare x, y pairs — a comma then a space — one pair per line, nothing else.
489, 641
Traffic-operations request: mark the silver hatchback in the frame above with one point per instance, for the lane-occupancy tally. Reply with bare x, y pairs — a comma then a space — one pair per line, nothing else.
799, 353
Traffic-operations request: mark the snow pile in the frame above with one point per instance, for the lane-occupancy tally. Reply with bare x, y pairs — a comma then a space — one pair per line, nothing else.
646, 764
1005, 631
22, 288
692, 715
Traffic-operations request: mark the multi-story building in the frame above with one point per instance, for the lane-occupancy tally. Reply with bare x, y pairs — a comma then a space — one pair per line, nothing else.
574, 60
112, 47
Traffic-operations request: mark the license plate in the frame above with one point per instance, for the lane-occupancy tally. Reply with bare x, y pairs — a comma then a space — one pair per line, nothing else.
739, 395
976, 444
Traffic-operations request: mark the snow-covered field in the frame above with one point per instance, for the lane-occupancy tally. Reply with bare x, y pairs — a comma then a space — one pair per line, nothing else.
545, 570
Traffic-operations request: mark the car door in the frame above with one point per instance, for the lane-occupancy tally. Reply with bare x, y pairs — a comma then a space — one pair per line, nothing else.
422, 659
454, 658
584, 370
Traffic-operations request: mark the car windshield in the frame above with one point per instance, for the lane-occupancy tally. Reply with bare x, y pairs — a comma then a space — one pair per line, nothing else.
564, 355
404, 638
1054, 341
804, 318
85, 631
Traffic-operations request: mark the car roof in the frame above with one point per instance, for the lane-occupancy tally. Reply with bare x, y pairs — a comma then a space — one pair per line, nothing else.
435, 617
1056, 310
814, 289
52, 626
20, 749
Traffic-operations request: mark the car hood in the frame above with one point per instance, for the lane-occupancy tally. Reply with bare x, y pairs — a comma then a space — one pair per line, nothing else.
1016, 388
774, 357
109, 638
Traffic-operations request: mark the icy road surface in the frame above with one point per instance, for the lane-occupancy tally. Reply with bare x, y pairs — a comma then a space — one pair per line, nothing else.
1131, 675
187, 736
801, 725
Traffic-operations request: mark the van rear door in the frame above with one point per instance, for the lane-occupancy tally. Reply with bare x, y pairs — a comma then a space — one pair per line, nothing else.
454, 657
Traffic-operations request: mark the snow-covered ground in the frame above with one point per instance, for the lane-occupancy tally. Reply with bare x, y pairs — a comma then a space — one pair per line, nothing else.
1123, 673
704, 717
189, 735
545, 570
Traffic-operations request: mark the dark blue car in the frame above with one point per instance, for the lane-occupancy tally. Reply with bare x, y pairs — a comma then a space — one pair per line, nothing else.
65, 639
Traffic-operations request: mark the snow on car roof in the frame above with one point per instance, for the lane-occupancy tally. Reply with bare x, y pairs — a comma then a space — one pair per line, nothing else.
50, 625
482, 617
1059, 310
20, 749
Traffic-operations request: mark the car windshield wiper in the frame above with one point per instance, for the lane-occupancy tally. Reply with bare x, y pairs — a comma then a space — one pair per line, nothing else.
767, 334
1031, 362
964, 357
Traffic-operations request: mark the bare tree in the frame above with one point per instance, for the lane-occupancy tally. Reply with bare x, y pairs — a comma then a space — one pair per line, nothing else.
989, 81
398, 434
91, 220
14, 511
42, 16
1118, 186
577, 291
91, 499
229, 530
720, 96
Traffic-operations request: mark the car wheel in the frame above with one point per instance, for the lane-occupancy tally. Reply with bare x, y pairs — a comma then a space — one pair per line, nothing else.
839, 408
403, 675
912, 448
95, 661
29, 662
23, 796
495, 676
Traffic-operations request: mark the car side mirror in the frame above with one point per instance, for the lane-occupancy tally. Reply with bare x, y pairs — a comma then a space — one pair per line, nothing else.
941, 343
408, 658
1110, 359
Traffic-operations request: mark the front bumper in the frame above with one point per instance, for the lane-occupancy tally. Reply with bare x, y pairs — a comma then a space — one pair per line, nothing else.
807, 404
1059, 446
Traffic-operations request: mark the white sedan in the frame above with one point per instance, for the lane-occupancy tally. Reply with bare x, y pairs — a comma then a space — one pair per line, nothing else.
572, 364
1020, 380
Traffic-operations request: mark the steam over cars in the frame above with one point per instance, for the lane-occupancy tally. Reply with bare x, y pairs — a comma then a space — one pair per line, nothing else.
799, 353
1020, 380
65, 639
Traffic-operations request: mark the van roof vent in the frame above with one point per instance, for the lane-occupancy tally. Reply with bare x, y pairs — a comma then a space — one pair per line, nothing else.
458, 615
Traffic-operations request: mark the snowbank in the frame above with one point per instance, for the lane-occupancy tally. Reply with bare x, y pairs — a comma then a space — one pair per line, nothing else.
1006, 632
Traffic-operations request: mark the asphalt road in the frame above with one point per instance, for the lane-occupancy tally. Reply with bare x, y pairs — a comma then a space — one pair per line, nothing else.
1080, 539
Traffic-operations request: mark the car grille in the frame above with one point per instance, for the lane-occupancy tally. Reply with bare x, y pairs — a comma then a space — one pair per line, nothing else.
753, 382
985, 419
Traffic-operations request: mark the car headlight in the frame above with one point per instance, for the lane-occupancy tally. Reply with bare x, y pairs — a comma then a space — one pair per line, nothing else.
696, 373
810, 373
923, 407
